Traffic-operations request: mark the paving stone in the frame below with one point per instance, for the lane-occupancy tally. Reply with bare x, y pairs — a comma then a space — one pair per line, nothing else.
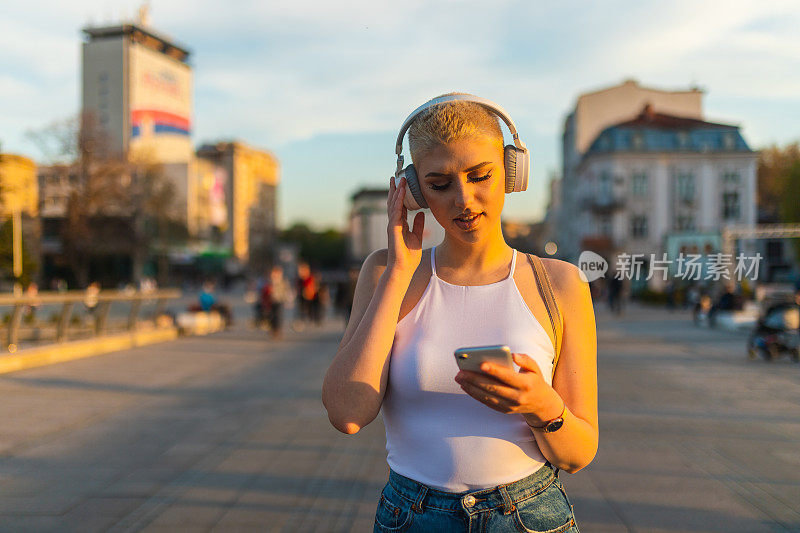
227, 433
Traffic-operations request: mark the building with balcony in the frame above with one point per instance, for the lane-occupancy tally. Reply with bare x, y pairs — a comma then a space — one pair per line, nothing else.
660, 176
594, 112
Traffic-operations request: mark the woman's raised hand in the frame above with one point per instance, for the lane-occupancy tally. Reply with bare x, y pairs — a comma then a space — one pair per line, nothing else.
405, 247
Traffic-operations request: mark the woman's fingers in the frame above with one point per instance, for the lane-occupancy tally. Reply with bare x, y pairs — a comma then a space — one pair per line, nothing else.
419, 225
490, 400
491, 387
527, 363
503, 374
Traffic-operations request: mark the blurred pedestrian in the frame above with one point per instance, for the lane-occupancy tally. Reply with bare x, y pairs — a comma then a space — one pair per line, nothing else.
280, 296
615, 295
319, 298
206, 297
306, 292
91, 298
30, 310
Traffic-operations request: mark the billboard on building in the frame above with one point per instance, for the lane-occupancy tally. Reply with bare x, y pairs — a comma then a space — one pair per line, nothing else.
160, 106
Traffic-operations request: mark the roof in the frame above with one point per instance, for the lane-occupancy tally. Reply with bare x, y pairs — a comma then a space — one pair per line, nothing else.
144, 36
367, 192
648, 117
651, 131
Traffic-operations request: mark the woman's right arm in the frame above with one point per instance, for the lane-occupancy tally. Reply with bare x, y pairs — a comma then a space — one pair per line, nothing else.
354, 385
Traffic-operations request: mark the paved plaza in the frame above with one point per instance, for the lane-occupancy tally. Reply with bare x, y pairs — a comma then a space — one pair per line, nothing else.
227, 433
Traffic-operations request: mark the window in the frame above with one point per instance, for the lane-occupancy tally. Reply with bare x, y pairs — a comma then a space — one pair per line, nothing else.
639, 184
729, 141
683, 139
638, 226
730, 177
684, 223
684, 187
605, 226
605, 185
637, 140
730, 205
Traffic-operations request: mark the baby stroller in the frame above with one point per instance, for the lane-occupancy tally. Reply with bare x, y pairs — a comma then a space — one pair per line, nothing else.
776, 333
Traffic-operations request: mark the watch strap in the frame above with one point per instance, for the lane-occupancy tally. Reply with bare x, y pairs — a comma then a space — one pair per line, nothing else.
546, 427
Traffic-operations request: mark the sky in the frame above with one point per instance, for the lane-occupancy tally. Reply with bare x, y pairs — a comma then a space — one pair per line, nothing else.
326, 85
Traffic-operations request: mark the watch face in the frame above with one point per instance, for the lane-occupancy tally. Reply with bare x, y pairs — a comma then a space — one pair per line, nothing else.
555, 425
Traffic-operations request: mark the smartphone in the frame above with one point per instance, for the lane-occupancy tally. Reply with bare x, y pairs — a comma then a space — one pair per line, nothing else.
471, 358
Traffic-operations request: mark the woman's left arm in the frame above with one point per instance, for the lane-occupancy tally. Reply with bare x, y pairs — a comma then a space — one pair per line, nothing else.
575, 382
574, 388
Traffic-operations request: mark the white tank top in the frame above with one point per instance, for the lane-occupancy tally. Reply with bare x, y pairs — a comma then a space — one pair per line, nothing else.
435, 433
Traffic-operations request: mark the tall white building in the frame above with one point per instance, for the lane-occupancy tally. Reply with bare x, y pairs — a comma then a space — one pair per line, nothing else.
657, 177
137, 92
593, 112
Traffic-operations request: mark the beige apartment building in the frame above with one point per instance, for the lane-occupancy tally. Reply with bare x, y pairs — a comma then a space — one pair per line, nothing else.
19, 193
245, 181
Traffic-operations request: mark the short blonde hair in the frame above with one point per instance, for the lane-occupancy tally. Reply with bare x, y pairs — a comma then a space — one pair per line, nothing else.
452, 121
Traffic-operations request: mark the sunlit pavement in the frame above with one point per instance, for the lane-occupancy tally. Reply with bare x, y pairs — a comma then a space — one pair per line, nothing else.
227, 432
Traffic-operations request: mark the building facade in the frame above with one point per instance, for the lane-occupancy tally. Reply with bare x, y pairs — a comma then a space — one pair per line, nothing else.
244, 191
19, 195
661, 177
137, 97
367, 226
593, 112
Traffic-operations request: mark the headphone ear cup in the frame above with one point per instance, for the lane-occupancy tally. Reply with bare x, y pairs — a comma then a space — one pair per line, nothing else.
516, 166
415, 200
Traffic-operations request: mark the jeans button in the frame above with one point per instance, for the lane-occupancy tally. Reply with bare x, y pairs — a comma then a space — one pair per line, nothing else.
469, 500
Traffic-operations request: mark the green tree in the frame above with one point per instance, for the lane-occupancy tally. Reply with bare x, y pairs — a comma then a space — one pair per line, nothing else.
790, 201
774, 175
115, 205
326, 249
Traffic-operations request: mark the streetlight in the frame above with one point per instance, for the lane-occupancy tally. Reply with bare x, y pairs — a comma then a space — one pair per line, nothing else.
16, 231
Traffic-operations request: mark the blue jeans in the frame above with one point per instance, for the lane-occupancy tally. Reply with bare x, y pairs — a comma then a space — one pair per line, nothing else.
536, 503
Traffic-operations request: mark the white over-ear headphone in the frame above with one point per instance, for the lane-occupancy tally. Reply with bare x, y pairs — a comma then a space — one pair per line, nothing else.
516, 156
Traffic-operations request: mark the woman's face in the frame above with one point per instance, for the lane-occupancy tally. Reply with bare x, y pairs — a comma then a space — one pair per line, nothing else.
464, 185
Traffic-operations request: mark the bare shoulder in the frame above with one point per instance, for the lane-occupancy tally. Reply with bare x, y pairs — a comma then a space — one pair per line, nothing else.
568, 281
375, 264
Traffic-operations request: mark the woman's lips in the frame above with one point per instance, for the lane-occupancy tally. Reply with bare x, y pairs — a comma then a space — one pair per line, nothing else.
467, 225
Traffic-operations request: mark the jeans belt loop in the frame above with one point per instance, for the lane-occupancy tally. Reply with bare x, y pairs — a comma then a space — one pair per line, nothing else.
508, 505
417, 507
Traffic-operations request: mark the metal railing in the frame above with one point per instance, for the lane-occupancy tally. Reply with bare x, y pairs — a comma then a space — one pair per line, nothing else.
63, 325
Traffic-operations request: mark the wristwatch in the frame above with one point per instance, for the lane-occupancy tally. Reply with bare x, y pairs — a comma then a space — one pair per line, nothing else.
551, 425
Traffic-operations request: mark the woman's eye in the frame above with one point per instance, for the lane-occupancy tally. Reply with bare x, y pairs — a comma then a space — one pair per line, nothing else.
446, 185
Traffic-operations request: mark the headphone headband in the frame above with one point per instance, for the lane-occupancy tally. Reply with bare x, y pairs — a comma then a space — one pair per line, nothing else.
488, 104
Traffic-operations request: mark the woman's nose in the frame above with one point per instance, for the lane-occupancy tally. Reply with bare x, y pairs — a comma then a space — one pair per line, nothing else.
463, 195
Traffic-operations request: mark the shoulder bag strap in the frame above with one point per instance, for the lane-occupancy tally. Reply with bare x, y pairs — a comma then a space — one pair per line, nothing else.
546, 292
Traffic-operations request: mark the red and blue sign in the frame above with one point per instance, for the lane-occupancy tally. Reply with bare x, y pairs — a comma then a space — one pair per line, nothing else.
159, 121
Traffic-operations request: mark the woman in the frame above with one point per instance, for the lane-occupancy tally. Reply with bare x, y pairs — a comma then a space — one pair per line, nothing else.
467, 450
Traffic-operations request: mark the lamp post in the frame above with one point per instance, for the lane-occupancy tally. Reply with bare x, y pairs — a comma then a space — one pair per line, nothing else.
16, 231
